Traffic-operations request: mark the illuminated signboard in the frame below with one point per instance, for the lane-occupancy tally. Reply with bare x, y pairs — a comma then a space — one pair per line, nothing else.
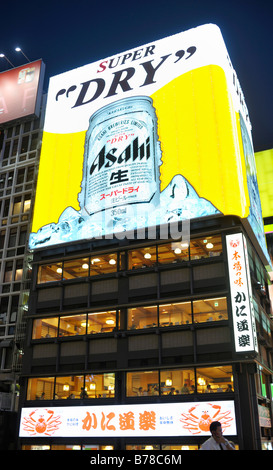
241, 294
21, 91
172, 419
154, 135
264, 163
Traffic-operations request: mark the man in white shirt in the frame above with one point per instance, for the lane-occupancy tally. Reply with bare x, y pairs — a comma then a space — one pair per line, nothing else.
217, 440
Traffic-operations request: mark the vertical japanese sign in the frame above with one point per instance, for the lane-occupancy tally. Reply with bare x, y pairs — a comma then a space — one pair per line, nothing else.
241, 294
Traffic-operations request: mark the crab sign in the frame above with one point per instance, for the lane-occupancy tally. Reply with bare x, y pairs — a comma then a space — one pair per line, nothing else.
42, 424
199, 419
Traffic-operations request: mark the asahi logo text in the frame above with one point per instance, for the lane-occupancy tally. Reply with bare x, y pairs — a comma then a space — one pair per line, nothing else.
132, 152
147, 71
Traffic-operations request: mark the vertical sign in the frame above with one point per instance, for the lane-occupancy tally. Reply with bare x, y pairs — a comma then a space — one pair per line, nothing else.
241, 294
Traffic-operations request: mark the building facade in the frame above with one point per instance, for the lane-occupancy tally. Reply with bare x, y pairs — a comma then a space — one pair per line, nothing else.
114, 325
20, 145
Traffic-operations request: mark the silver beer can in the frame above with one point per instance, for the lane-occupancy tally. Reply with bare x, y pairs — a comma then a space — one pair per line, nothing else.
122, 156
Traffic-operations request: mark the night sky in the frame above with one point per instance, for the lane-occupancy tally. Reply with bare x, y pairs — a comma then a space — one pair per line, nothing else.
69, 34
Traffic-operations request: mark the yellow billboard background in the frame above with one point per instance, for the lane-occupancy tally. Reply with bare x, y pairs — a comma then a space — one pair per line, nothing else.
200, 137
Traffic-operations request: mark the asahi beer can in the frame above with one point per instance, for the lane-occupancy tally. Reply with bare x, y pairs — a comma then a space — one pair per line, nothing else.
121, 159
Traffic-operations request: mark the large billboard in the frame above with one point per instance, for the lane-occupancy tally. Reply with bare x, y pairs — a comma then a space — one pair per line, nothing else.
156, 134
148, 420
21, 91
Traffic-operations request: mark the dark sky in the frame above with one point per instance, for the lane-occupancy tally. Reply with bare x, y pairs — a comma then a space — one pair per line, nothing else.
68, 34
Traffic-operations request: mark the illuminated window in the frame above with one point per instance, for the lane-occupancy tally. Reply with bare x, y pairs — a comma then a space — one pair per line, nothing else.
142, 317
69, 387
45, 328
16, 206
175, 314
19, 270
142, 383
40, 388
142, 447
76, 268
214, 379
142, 257
177, 382
27, 202
173, 252
72, 325
208, 310
179, 447
49, 273
206, 247
103, 264
101, 322
100, 385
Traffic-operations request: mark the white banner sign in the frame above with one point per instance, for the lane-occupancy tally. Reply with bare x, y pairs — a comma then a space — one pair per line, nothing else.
241, 294
167, 419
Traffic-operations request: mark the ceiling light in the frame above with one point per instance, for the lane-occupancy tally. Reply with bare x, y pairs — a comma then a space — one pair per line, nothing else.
209, 246
177, 251
147, 255
85, 266
95, 260
112, 261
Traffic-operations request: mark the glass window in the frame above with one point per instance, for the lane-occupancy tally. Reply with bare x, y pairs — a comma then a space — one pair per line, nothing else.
40, 388
49, 273
7, 149
101, 322
16, 206
27, 202
76, 268
24, 144
20, 176
206, 247
8, 271
72, 325
22, 235
45, 328
100, 385
214, 379
14, 148
19, 270
207, 310
179, 447
103, 264
142, 317
69, 387
142, 383
12, 237
142, 257
177, 382
175, 314
173, 252
142, 447
34, 141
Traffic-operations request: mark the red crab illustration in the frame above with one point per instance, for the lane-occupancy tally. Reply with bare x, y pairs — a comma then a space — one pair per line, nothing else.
234, 243
196, 423
41, 425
